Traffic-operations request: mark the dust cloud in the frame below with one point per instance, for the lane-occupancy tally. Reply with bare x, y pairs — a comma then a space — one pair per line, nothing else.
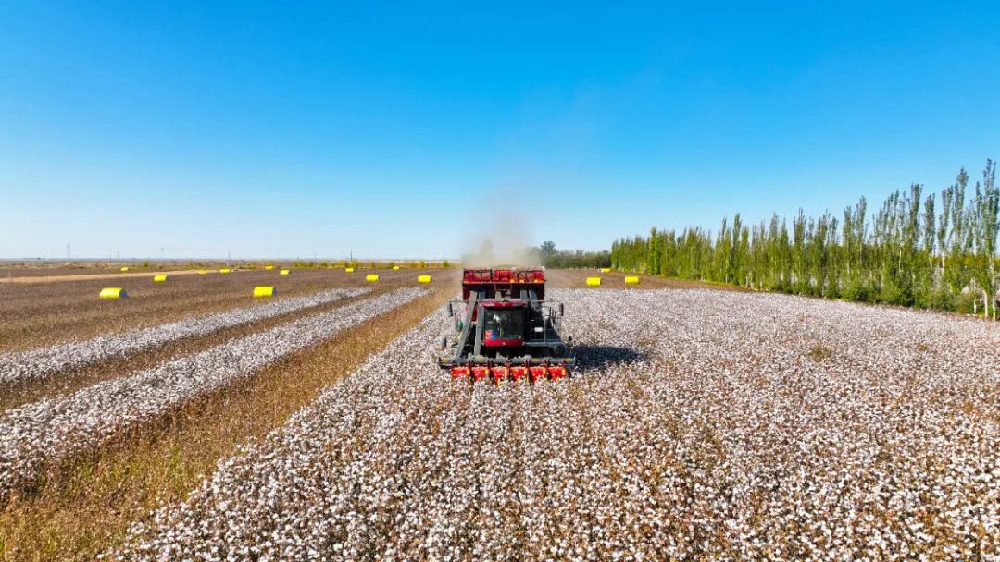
498, 238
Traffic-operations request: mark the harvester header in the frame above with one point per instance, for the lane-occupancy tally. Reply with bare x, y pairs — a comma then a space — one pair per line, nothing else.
490, 282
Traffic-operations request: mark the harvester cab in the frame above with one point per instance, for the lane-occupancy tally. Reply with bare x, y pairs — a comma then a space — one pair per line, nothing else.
507, 330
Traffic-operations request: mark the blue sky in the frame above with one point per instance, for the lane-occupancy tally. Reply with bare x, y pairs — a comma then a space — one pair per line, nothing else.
280, 130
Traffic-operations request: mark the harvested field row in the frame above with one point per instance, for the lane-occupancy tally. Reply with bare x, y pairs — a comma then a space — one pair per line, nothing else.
706, 425
43, 362
12, 271
38, 436
36, 315
117, 274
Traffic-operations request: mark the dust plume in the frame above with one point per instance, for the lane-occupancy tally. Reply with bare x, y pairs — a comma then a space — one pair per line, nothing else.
498, 238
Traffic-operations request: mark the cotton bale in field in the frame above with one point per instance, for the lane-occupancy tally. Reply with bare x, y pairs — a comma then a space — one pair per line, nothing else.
605, 270
261, 292
123, 269
631, 279
348, 270
593, 281
202, 272
160, 278
269, 267
285, 272
371, 277
423, 279
395, 268
225, 270
113, 293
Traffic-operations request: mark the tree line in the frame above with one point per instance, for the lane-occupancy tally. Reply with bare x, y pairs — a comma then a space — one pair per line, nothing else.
549, 256
935, 251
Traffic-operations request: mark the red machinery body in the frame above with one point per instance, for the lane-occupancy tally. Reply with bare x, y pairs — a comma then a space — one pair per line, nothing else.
493, 282
508, 331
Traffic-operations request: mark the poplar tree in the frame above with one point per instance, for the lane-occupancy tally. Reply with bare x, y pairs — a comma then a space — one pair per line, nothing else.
941, 256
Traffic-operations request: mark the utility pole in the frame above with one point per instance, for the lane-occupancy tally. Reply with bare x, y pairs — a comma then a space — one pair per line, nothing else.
161, 253
67, 251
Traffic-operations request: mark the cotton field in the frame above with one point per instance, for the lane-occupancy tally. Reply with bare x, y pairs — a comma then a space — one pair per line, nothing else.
700, 425
43, 362
38, 435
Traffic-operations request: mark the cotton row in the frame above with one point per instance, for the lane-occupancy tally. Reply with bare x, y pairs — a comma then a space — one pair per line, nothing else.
40, 363
38, 435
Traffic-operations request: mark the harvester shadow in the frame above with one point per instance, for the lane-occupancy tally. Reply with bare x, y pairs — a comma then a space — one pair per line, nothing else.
600, 357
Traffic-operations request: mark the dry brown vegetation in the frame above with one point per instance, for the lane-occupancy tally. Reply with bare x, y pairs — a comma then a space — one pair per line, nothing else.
820, 352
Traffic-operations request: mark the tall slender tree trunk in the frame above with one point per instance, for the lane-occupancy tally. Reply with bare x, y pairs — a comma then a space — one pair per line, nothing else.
993, 278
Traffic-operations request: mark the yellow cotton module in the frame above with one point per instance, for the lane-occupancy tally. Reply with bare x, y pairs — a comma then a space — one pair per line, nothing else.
261, 292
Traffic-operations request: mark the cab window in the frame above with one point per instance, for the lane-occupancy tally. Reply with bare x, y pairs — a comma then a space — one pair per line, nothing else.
503, 324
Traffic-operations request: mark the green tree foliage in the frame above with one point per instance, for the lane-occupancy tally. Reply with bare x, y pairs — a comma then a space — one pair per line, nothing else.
549, 256
916, 250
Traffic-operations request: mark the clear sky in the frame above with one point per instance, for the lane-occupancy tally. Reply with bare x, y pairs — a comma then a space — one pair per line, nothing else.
286, 129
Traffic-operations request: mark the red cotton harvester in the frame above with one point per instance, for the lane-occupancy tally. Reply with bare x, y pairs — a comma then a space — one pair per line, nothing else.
507, 330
